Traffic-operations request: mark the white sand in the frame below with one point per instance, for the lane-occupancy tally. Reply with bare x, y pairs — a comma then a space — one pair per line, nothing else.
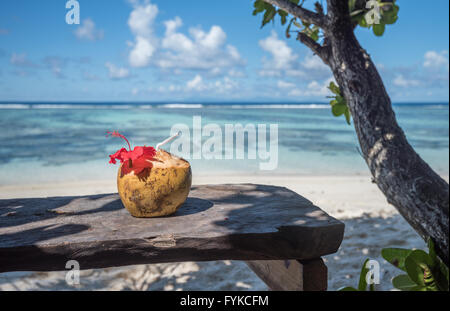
371, 224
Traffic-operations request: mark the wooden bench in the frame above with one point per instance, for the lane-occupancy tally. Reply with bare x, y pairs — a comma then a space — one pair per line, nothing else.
280, 234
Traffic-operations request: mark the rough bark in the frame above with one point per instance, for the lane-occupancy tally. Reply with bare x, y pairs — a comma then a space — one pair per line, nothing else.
419, 194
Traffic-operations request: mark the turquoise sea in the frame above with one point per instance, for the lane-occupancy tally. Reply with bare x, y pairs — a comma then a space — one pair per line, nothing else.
47, 142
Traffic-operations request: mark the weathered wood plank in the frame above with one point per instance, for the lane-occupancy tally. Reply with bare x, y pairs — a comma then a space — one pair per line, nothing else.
241, 222
292, 275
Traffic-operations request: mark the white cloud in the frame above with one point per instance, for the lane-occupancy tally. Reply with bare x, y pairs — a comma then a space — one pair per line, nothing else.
313, 62
88, 31
285, 85
319, 89
225, 85
116, 72
141, 22
141, 53
283, 62
200, 50
314, 88
435, 60
197, 50
142, 18
236, 73
282, 55
219, 86
195, 84
297, 77
430, 75
401, 81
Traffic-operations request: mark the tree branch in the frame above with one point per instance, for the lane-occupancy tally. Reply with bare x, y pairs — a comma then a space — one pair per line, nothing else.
297, 11
319, 50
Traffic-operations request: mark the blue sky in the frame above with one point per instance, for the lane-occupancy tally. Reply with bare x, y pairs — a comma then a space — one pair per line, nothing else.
141, 51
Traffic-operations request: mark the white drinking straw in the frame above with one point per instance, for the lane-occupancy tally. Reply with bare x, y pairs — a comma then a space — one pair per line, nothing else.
168, 140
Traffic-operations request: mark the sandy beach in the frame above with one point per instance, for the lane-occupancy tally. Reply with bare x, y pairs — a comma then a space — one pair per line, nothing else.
371, 224
263, 92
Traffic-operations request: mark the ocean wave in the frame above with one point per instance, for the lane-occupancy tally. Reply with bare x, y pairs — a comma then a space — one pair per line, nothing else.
14, 106
65, 106
278, 106
181, 106
189, 106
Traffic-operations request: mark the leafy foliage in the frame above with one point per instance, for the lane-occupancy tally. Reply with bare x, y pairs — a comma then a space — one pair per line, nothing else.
339, 105
364, 12
372, 14
424, 271
270, 12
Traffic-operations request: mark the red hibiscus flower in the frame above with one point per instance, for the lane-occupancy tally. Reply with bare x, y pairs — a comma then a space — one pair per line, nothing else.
136, 160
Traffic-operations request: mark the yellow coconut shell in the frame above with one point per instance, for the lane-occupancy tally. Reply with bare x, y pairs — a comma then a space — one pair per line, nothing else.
161, 191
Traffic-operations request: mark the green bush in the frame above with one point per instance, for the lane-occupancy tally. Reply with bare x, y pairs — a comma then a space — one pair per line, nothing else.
424, 271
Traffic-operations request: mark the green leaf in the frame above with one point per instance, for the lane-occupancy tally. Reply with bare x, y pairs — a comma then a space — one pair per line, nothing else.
351, 5
357, 18
315, 33
417, 264
334, 88
378, 29
363, 22
403, 282
338, 104
440, 270
340, 100
268, 15
442, 277
347, 289
396, 256
259, 6
391, 16
362, 285
347, 116
432, 252
283, 16
338, 109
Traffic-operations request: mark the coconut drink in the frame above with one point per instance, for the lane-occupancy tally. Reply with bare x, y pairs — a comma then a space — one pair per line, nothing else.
151, 182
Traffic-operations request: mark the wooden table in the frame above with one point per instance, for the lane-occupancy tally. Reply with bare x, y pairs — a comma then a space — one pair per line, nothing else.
280, 234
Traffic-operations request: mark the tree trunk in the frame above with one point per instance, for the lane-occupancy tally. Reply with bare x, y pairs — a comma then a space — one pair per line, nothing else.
418, 193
